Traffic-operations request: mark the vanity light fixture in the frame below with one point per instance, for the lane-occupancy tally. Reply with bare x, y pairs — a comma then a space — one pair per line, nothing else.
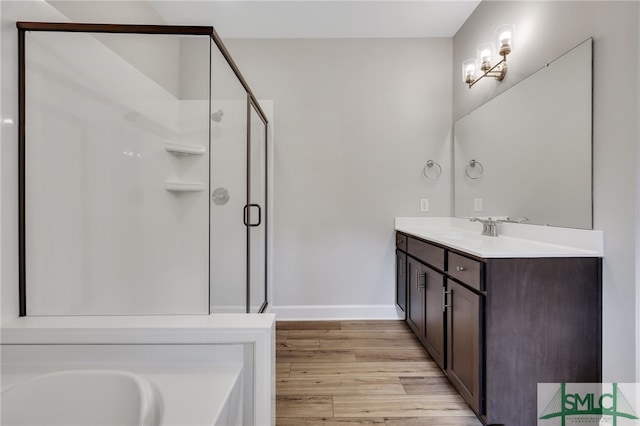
475, 69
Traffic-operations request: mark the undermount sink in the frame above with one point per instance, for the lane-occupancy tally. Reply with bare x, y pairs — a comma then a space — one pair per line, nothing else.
456, 235
80, 398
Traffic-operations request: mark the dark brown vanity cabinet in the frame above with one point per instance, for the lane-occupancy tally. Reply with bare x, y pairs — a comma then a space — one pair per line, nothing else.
401, 280
499, 326
464, 351
425, 315
465, 325
434, 315
415, 298
401, 273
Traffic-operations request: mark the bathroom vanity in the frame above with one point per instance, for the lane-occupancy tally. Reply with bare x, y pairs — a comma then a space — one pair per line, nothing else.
501, 314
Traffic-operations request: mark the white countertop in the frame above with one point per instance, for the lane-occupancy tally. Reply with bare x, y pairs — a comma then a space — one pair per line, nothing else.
176, 329
515, 240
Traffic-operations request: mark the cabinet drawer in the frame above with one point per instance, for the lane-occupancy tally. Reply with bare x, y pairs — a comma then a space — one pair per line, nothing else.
401, 241
428, 253
465, 270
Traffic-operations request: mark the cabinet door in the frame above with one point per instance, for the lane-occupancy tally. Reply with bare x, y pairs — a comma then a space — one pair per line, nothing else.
434, 315
464, 353
401, 281
415, 302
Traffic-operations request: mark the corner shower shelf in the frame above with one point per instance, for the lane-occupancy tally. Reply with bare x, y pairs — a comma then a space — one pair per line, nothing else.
179, 149
177, 186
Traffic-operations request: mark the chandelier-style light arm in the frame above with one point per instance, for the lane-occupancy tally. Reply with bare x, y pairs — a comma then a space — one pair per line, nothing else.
498, 71
487, 52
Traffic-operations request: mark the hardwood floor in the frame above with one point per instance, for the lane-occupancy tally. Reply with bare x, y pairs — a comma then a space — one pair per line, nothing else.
348, 373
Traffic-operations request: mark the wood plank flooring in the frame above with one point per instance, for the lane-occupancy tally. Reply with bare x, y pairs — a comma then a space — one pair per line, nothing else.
348, 373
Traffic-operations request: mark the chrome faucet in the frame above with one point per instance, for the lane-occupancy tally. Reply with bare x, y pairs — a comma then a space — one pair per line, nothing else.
489, 226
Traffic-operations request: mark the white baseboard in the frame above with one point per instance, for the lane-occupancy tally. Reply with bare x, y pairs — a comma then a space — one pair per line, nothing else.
336, 312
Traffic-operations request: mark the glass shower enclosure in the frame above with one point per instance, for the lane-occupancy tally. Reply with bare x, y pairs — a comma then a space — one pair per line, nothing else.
143, 173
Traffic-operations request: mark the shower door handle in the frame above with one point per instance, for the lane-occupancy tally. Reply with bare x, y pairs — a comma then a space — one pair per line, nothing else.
246, 215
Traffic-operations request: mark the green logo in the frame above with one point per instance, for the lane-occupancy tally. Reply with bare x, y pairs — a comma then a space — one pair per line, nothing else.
566, 404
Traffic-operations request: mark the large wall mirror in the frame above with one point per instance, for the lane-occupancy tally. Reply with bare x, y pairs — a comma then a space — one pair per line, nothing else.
527, 153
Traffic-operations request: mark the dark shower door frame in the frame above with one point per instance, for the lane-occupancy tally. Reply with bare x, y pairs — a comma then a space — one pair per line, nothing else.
27, 26
262, 217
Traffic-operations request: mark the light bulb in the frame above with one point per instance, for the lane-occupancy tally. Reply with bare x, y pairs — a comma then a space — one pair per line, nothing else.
469, 67
470, 70
505, 35
486, 54
505, 38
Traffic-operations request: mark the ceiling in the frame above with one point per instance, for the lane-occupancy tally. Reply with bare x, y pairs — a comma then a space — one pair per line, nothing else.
320, 18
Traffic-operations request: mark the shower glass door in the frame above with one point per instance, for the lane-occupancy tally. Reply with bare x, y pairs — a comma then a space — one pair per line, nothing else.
257, 211
116, 173
142, 173
228, 188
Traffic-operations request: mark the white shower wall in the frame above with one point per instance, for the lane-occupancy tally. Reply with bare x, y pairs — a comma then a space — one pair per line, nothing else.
104, 236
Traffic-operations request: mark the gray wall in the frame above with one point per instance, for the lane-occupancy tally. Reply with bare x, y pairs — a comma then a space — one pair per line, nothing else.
355, 122
638, 228
2, 139
544, 30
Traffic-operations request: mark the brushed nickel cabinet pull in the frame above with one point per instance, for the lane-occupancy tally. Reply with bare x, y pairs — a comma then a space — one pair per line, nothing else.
444, 299
460, 268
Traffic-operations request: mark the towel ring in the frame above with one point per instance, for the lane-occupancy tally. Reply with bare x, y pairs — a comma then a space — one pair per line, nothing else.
432, 170
474, 170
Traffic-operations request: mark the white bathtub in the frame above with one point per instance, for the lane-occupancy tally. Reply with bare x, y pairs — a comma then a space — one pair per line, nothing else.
164, 394
193, 370
82, 397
